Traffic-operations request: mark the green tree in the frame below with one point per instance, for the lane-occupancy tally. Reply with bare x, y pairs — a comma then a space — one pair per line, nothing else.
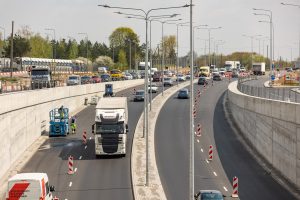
21, 47
72, 49
122, 64
169, 46
122, 38
40, 47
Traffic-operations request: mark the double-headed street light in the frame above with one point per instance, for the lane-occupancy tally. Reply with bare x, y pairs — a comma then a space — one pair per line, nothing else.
87, 47
294, 5
270, 15
145, 16
162, 46
151, 18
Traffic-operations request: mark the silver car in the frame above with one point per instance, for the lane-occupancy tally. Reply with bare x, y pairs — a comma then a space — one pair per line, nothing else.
139, 95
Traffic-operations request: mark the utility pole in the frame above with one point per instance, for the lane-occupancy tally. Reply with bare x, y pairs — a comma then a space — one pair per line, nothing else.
11, 48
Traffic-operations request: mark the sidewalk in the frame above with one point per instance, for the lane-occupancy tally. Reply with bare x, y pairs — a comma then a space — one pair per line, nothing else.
138, 157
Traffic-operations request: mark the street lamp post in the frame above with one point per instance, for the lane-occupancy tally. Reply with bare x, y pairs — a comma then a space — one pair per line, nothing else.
87, 47
53, 48
163, 49
294, 5
251, 37
271, 32
151, 18
145, 16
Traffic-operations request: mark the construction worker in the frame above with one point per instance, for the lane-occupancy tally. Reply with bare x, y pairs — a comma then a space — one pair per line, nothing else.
61, 112
73, 124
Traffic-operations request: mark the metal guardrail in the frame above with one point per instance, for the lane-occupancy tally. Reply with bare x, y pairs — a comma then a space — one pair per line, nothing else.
282, 94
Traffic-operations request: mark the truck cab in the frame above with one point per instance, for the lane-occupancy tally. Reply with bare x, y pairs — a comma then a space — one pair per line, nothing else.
40, 77
110, 126
29, 186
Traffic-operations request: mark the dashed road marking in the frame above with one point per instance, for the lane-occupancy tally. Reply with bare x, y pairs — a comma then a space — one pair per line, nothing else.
198, 140
75, 170
90, 138
225, 189
80, 157
70, 184
201, 150
85, 147
206, 160
215, 174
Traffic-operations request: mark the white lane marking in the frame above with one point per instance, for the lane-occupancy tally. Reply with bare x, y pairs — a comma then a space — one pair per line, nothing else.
66, 199
201, 150
85, 147
70, 184
225, 189
206, 160
80, 157
215, 174
90, 138
198, 140
75, 170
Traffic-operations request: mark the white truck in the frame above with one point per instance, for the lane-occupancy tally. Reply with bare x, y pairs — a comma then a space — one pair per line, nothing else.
229, 65
111, 128
29, 186
259, 68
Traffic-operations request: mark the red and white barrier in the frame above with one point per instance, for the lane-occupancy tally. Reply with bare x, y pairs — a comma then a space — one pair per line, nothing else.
84, 137
134, 91
199, 130
235, 186
70, 164
199, 93
18, 73
210, 153
194, 111
55, 198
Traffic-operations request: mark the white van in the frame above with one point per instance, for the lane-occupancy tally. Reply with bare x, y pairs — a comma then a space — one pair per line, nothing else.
74, 80
29, 186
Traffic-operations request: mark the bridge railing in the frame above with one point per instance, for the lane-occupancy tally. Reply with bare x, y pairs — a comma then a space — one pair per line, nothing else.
281, 94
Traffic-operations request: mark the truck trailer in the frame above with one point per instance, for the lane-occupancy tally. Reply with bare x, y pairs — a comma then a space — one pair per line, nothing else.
259, 68
111, 126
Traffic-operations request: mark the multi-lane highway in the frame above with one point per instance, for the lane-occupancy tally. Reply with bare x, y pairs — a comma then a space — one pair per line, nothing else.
104, 178
230, 156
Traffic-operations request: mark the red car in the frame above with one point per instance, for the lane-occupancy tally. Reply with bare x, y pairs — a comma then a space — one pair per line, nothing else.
96, 79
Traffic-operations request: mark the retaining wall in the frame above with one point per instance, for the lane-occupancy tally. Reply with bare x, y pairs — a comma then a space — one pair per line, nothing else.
24, 116
272, 127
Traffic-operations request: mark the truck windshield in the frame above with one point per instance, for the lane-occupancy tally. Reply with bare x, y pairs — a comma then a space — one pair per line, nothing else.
109, 128
39, 72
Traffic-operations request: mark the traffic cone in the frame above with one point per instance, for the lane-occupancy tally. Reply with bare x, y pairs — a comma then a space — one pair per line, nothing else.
70, 162
235, 186
199, 127
210, 153
84, 137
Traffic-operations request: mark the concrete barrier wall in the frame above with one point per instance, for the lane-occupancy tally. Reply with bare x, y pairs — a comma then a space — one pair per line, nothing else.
24, 116
272, 127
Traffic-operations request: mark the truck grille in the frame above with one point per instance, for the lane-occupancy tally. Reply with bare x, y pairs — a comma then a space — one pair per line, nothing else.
110, 144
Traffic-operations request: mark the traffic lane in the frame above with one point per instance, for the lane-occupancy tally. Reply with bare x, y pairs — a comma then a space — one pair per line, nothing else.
254, 181
46, 160
172, 150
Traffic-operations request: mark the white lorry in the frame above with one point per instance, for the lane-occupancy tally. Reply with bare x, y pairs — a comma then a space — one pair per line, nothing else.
230, 65
259, 68
111, 126
29, 186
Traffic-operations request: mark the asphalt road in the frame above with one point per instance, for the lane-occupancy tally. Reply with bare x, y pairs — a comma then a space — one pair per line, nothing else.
230, 156
104, 178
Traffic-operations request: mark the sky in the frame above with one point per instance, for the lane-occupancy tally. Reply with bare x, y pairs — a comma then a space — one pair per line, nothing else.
69, 17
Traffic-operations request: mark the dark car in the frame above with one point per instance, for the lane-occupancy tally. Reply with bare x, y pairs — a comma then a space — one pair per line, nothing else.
202, 81
139, 95
217, 77
157, 76
143, 74
134, 75
86, 80
183, 94
105, 77
96, 79
209, 195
